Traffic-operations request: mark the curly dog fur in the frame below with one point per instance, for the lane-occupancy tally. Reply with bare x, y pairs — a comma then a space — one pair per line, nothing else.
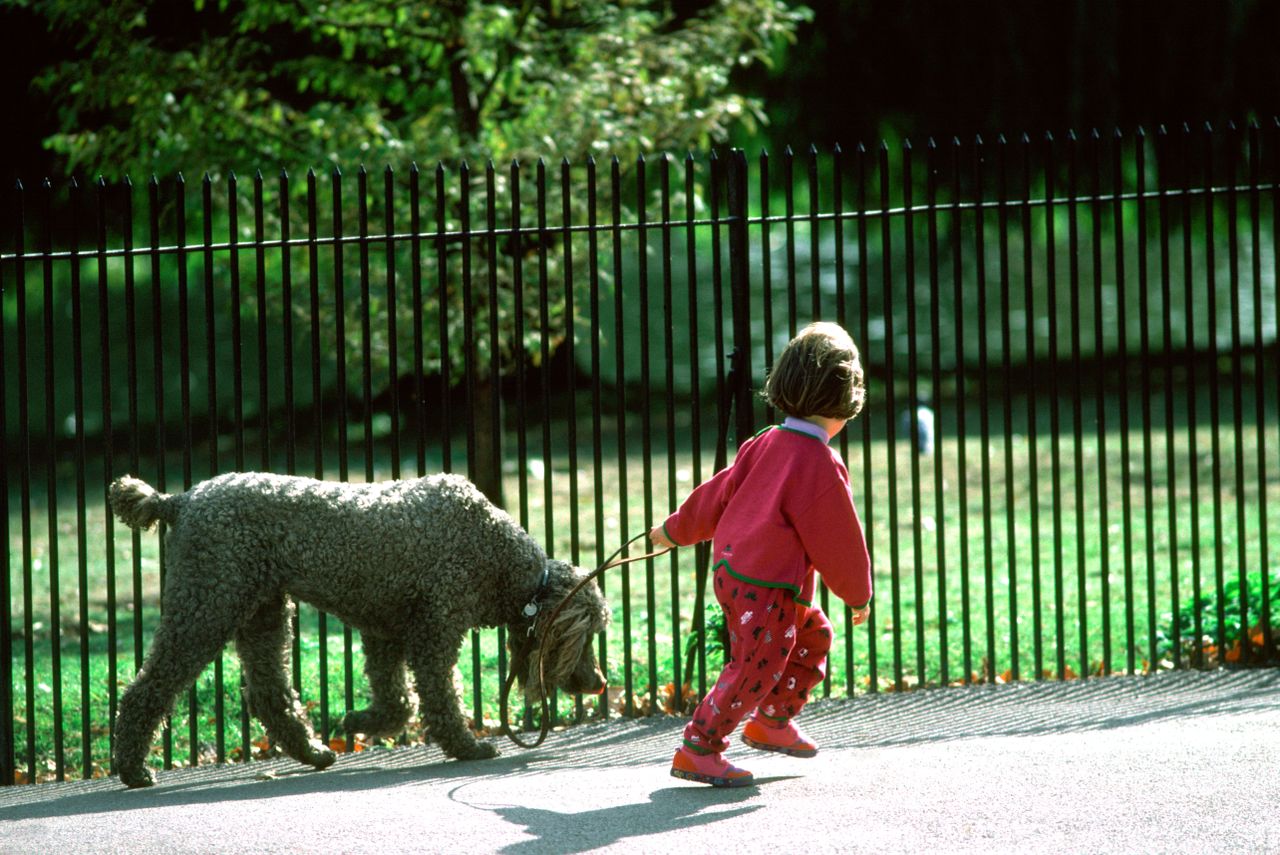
414, 565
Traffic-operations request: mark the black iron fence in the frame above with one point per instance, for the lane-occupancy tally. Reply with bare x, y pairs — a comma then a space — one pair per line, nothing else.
1066, 467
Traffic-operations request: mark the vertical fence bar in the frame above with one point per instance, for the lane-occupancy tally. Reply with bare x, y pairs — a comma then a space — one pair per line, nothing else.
7, 719
1077, 399
366, 320
1033, 420
344, 471
237, 325
766, 271
419, 394
237, 381
620, 363
1055, 404
1165, 153
544, 349
290, 399
1237, 391
493, 450
914, 437
702, 551
544, 345
290, 409
1259, 381
957, 273
646, 414
1100, 398
739, 284
1122, 371
188, 437
837, 199
789, 195
571, 375
597, 408
890, 406
1006, 372
495, 404
211, 403
260, 261
211, 379
719, 182
864, 333
82, 540
51, 480
442, 302
1215, 395
815, 251
517, 296
932, 170
984, 407
1144, 307
24, 428
669, 384
108, 453
317, 424
135, 440
518, 335
1192, 364
393, 355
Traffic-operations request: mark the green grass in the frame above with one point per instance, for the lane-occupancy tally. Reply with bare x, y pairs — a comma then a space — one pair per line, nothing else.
920, 616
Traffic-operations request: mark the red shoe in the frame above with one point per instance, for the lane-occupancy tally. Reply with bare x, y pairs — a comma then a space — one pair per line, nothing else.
786, 737
710, 769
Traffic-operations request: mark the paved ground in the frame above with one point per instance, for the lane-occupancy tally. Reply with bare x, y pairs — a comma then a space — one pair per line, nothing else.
1185, 762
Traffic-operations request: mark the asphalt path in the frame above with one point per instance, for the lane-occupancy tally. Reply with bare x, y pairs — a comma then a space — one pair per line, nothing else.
1175, 762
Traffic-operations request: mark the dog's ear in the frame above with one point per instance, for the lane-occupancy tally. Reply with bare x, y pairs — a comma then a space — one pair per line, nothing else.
518, 647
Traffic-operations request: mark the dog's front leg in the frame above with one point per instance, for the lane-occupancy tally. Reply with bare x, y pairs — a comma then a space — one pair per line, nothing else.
432, 660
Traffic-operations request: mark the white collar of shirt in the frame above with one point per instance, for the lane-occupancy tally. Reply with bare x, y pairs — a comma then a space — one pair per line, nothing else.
805, 427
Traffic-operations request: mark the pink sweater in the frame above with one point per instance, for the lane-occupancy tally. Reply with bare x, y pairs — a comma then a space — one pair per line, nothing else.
782, 510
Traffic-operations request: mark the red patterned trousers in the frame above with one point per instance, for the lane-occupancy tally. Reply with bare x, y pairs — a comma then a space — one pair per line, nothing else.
779, 653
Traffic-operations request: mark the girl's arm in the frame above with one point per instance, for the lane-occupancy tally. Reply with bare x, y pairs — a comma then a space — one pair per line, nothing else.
698, 515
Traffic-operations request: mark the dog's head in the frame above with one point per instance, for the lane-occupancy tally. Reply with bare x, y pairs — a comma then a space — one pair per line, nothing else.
569, 661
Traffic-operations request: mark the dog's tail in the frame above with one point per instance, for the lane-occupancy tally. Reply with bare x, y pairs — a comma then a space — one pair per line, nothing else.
139, 505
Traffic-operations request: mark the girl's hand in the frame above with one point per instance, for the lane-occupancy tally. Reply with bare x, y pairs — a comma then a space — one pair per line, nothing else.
660, 539
860, 615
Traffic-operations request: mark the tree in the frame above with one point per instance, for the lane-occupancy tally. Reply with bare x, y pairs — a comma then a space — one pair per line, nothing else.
161, 87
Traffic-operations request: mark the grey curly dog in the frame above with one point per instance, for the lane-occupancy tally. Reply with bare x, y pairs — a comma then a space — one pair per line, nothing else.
412, 564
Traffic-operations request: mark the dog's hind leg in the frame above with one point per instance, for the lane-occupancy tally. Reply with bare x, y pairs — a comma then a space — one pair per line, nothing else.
181, 649
432, 658
264, 643
392, 701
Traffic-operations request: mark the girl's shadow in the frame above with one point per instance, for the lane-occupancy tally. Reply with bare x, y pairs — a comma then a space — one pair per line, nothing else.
668, 809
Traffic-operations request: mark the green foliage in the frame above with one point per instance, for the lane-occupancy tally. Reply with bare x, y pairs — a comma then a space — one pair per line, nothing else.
159, 87
1233, 626
717, 639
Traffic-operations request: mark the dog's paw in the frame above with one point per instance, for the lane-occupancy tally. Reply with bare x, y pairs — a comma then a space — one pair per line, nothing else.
320, 756
478, 751
138, 778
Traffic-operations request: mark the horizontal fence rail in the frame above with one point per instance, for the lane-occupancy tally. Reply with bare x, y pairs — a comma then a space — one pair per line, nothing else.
1066, 467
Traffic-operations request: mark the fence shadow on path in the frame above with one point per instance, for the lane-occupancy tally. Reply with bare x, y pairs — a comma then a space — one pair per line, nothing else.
864, 722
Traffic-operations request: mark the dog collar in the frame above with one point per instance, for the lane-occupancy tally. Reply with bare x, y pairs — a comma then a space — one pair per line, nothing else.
531, 608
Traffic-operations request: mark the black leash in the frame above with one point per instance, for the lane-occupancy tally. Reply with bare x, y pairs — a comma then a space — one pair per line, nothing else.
545, 725
701, 572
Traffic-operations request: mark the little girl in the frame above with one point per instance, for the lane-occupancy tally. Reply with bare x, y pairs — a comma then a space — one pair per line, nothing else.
780, 512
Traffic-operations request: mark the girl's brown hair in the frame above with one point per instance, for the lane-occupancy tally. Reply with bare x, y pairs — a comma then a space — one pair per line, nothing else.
818, 374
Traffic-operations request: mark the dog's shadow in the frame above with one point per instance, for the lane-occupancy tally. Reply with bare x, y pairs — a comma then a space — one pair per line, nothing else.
668, 809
